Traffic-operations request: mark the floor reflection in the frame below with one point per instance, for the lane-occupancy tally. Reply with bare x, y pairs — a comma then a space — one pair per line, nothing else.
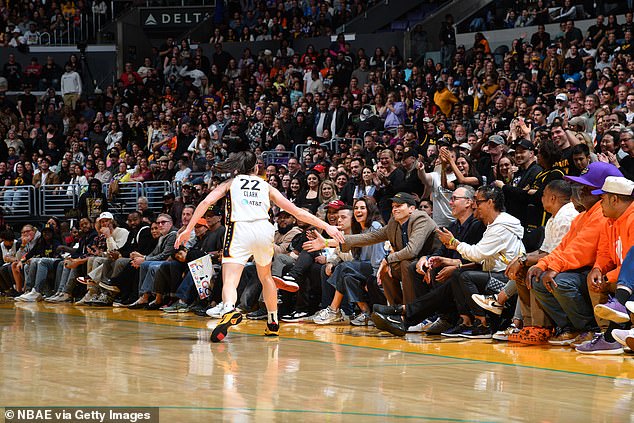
88, 356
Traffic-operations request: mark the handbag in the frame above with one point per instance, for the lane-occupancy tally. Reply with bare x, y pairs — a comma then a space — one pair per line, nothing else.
494, 285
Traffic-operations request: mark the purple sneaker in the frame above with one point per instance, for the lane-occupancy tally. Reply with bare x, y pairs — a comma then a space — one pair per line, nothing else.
600, 346
613, 311
621, 335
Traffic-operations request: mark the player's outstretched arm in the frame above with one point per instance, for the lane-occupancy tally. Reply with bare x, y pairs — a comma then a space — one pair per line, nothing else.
212, 198
304, 216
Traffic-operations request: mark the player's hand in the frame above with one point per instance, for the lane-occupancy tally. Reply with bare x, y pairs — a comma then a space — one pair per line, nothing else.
181, 239
335, 234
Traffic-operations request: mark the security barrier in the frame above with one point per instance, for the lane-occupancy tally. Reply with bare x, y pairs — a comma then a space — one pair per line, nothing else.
24, 202
56, 200
18, 201
154, 192
276, 157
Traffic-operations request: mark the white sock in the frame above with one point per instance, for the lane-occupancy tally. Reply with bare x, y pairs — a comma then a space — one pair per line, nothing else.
272, 316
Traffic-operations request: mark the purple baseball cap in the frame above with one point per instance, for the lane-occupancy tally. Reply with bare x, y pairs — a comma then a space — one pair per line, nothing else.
594, 175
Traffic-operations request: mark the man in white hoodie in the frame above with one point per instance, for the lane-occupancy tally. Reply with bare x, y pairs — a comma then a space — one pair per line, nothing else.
71, 87
501, 243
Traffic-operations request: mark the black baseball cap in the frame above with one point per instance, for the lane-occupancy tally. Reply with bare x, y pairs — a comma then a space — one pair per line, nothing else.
524, 143
404, 198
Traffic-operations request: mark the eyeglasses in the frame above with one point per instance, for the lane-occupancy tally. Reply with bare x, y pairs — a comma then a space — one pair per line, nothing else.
454, 198
162, 222
478, 202
26, 231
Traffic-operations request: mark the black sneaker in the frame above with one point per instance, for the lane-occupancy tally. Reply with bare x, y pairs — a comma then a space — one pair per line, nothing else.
387, 309
229, 319
478, 331
457, 330
392, 323
295, 317
259, 314
200, 310
13, 293
272, 329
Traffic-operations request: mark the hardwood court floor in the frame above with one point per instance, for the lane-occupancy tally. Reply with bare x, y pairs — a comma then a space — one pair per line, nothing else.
61, 355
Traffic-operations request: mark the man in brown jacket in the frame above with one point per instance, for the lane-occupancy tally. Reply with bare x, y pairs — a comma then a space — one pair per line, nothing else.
411, 234
45, 176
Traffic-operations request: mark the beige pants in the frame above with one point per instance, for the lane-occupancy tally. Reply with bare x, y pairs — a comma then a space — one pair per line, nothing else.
71, 100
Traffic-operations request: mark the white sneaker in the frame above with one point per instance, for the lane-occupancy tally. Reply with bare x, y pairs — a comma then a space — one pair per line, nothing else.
63, 298
32, 296
417, 328
23, 296
217, 311
630, 306
53, 298
620, 335
84, 300
328, 316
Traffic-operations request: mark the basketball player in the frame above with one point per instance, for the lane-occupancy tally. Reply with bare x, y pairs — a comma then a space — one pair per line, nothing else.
249, 233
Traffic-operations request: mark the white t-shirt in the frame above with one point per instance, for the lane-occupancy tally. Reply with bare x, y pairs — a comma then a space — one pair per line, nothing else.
558, 226
248, 199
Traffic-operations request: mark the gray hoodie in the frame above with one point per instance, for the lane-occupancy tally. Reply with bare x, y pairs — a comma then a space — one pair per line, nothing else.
501, 243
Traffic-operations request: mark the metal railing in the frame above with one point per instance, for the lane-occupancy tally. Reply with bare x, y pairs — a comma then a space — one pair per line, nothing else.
23, 202
76, 29
124, 200
18, 201
332, 145
56, 200
154, 192
276, 157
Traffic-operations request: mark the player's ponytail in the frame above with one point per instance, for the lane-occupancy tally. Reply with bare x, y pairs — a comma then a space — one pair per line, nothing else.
242, 162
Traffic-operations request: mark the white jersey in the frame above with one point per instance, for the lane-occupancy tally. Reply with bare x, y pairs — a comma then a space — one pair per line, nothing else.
248, 199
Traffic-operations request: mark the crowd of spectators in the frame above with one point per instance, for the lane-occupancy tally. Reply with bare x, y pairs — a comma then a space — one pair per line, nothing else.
505, 14
26, 23
448, 181
71, 21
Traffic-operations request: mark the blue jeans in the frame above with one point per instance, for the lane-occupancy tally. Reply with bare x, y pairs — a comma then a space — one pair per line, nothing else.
146, 276
40, 272
328, 284
569, 304
351, 279
626, 275
187, 289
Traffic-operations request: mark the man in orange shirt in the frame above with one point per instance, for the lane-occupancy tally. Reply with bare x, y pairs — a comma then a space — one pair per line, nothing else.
615, 241
559, 279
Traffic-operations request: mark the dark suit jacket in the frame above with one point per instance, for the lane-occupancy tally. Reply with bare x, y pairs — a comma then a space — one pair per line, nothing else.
420, 233
341, 123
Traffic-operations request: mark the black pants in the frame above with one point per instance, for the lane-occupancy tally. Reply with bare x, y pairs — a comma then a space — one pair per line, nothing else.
472, 282
439, 300
128, 283
307, 275
168, 277
6, 277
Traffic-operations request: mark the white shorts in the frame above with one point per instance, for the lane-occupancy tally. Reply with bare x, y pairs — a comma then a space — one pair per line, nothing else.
246, 239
